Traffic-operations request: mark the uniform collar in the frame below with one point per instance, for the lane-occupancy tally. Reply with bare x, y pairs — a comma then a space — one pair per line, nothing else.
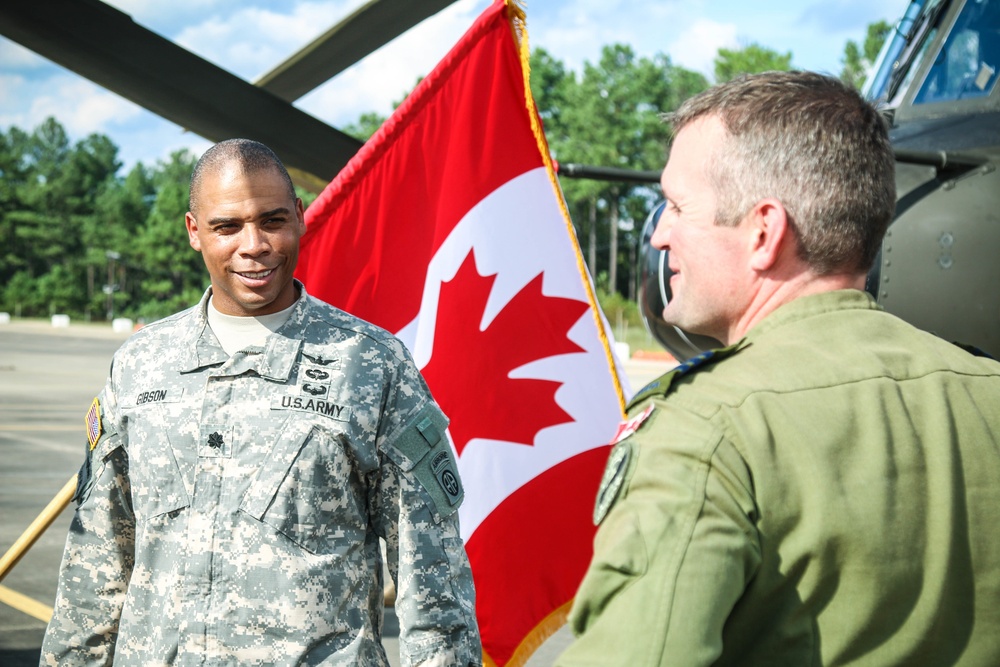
809, 306
274, 361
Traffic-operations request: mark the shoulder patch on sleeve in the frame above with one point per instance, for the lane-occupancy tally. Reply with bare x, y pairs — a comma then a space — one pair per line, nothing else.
663, 385
616, 469
93, 422
426, 456
94, 425
102, 439
612, 479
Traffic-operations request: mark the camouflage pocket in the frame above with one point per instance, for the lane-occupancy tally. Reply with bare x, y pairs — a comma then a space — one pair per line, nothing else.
310, 491
157, 485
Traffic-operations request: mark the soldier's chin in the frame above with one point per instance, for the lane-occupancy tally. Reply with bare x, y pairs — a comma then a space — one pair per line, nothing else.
680, 336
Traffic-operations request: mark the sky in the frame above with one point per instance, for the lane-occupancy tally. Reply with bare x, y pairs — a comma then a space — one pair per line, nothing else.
250, 37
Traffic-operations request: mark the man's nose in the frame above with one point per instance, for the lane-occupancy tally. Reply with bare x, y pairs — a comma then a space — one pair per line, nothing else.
253, 241
661, 235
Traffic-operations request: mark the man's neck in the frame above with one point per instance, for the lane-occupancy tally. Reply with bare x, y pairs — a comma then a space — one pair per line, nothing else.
772, 294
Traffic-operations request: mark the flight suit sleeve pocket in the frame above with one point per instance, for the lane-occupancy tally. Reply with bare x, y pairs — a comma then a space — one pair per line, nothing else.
620, 559
621, 548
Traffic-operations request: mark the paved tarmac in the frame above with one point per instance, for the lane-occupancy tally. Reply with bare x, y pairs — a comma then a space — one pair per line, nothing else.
48, 377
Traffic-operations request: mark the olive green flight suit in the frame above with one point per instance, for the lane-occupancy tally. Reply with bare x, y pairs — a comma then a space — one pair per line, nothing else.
826, 492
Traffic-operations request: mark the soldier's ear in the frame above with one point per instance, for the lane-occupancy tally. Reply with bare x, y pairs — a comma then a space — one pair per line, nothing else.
771, 232
300, 214
192, 229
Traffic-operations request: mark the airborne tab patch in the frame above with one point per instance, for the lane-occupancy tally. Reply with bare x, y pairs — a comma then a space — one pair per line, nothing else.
443, 468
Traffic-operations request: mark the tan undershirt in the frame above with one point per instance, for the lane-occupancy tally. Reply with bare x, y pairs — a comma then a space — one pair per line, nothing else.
237, 333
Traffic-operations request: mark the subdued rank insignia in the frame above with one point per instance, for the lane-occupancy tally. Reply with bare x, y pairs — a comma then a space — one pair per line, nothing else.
665, 383
617, 466
93, 422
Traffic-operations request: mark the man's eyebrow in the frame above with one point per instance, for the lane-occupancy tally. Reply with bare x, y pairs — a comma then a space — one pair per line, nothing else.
278, 211
260, 216
222, 221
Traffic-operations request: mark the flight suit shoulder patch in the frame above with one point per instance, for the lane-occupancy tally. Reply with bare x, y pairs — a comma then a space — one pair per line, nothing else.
616, 469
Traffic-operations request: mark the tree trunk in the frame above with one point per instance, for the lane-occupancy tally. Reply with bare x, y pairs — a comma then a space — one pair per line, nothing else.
613, 250
633, 279
592, 239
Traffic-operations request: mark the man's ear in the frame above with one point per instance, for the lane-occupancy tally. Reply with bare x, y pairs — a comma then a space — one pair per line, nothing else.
192, 229
771, 233
301, 215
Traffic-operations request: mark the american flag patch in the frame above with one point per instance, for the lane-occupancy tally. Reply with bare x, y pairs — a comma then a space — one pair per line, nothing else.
93, 420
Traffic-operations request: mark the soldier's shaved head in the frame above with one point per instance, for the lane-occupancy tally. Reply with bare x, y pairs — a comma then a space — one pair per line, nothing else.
250, 156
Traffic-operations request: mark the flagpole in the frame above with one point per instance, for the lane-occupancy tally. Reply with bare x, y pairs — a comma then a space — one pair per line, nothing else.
37, 527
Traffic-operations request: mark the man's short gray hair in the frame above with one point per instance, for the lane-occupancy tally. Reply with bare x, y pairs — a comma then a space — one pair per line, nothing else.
813, 143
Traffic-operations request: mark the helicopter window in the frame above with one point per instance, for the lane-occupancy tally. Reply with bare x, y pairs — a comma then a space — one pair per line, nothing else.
968, 64
904, 51
904, 84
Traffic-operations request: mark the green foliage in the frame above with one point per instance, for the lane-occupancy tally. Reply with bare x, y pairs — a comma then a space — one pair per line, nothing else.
71, 226
609, 117
858, 60
367, 125
618, 309
751, 59
307, 196
73, 230
171, 273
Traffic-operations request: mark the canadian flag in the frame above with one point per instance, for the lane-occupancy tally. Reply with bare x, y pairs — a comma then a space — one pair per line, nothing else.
448, 228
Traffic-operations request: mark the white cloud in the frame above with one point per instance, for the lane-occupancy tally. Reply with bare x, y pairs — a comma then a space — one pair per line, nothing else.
250, 37
382, 78
94, 109
12, 95
698, 45
578, 29
166, 17
13, 56
251, 41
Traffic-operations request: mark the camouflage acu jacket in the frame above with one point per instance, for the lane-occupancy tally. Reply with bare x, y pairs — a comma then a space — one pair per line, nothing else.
234, 505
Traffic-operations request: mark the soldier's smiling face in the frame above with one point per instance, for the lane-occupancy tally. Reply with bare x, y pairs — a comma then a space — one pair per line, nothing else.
709, 262
247, 229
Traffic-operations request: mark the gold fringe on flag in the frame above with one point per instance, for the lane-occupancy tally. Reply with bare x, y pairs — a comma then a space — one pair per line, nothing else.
519, 29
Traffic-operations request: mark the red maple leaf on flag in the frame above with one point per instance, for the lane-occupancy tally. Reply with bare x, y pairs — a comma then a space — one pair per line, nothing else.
469, 370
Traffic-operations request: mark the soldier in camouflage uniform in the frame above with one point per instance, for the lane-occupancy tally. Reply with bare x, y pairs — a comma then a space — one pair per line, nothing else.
239, 478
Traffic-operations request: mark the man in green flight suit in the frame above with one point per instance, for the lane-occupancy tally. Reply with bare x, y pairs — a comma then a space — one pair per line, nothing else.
826, 489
